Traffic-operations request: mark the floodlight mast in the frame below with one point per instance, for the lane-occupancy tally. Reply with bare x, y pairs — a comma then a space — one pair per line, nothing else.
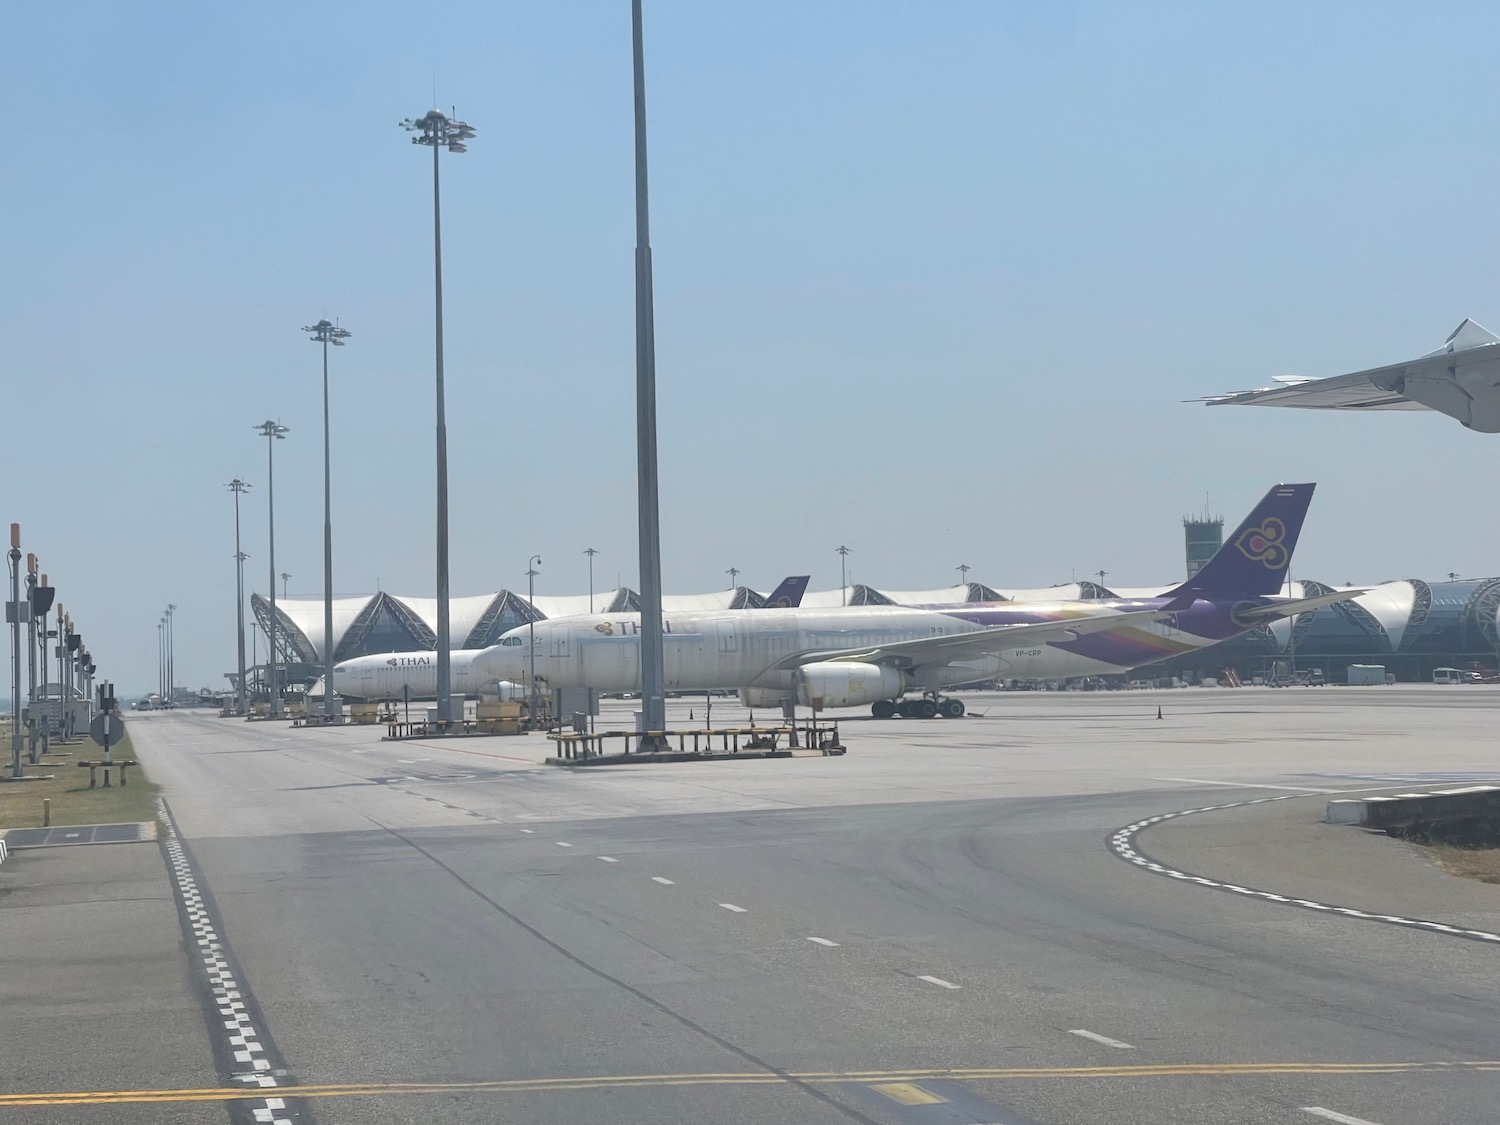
653, 672
438, 131
325, 333
272, 432
239, 487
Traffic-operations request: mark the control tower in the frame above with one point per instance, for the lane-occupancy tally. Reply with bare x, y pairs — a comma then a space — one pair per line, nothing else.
1203, 535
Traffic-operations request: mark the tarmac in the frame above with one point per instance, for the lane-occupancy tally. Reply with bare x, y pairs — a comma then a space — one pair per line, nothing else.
933, 928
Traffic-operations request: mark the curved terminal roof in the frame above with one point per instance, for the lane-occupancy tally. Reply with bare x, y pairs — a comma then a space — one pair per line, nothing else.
1399, 616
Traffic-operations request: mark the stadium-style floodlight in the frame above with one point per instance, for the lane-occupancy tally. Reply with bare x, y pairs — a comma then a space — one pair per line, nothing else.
272, 432
963, 573
734, 575
843, 554
438, 131
326, 333
239, 487
531, 573
590, 552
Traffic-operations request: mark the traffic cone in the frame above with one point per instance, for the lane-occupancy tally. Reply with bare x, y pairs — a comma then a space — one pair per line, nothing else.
1158, 710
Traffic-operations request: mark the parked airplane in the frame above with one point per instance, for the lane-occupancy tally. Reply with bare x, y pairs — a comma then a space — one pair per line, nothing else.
877, 654
413, 675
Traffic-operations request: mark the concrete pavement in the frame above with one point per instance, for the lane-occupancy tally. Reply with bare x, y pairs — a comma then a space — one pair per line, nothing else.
931, 929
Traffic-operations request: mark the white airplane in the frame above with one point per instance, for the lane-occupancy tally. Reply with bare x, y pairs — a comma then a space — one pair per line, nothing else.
393, 675
875, 654
1461, 379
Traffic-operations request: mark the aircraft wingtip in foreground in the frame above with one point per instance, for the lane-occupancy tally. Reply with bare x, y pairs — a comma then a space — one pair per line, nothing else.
1460, 379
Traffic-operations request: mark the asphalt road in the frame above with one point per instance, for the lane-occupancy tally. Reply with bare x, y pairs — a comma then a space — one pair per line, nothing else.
932, 929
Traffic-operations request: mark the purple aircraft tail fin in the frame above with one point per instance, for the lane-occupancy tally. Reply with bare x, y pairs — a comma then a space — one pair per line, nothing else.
789, 594
1254, 558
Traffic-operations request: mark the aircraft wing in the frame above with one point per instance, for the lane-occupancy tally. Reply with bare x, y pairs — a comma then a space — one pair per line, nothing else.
972, 646
1461, 379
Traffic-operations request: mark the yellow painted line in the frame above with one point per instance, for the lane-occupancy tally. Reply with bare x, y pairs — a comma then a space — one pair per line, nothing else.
907, 1093
641, 1081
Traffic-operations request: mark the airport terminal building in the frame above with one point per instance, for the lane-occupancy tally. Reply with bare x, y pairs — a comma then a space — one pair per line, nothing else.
1410, 626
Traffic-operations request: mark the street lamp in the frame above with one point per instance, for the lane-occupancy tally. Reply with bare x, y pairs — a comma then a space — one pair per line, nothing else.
531, 573
171, 654
439, 132
161, 659
13, 616
325, 333
285, 578
734, 574
238, 487
963, 573
843, 553
272, 432
590, 552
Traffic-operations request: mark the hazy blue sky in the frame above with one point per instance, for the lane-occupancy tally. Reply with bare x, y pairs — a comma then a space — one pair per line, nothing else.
931, 280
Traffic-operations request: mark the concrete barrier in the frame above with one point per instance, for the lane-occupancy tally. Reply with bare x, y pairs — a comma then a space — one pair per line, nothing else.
1405, 813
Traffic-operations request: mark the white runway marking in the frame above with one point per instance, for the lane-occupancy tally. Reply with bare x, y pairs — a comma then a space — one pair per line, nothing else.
659, 879
1105, 1039
824, 941
1122, 843
1247, 785
564, 844
608, 859
528, 830
733, 907
940, 982
1333, 1115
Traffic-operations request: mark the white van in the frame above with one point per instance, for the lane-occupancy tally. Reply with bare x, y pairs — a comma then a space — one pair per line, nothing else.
1447, 676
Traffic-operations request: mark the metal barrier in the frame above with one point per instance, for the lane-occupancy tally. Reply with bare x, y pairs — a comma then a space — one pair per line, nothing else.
760, 742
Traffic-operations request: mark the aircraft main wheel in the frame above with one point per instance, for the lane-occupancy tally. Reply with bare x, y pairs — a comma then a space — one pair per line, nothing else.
953, 708
924, 709
903, 709
882, 708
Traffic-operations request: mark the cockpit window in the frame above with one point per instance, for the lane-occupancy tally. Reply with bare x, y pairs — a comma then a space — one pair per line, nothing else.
510, 641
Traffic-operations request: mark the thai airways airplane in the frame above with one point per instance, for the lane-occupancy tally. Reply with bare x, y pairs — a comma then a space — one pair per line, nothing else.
413, 675
875, 655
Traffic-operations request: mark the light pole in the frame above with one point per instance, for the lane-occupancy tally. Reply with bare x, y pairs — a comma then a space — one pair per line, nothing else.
1101, 574
239, 487
272, 432
590, 552
734, 574
531, 573
285, 578
31, 585
439, 132
13, 615
161, 659
325, 333
963, 573
648, 514
843, 553
44, 596
171, 653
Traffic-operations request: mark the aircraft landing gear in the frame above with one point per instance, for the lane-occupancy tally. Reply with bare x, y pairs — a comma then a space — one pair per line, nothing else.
928, 707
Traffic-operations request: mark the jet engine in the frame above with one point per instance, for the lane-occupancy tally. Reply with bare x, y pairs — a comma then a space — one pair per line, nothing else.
847, 683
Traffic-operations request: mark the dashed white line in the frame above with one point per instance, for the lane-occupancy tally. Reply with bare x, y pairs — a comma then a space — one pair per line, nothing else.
528, 831
732, 907
608, 858
1097, 1038
940, 982
564, 844
1334, 1115
824, 941
659, 879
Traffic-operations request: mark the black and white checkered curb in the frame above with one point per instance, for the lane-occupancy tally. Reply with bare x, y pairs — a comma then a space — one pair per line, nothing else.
251, 1066
1123, 844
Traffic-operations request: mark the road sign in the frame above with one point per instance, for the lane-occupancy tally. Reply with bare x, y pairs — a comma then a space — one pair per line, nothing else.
107, 729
